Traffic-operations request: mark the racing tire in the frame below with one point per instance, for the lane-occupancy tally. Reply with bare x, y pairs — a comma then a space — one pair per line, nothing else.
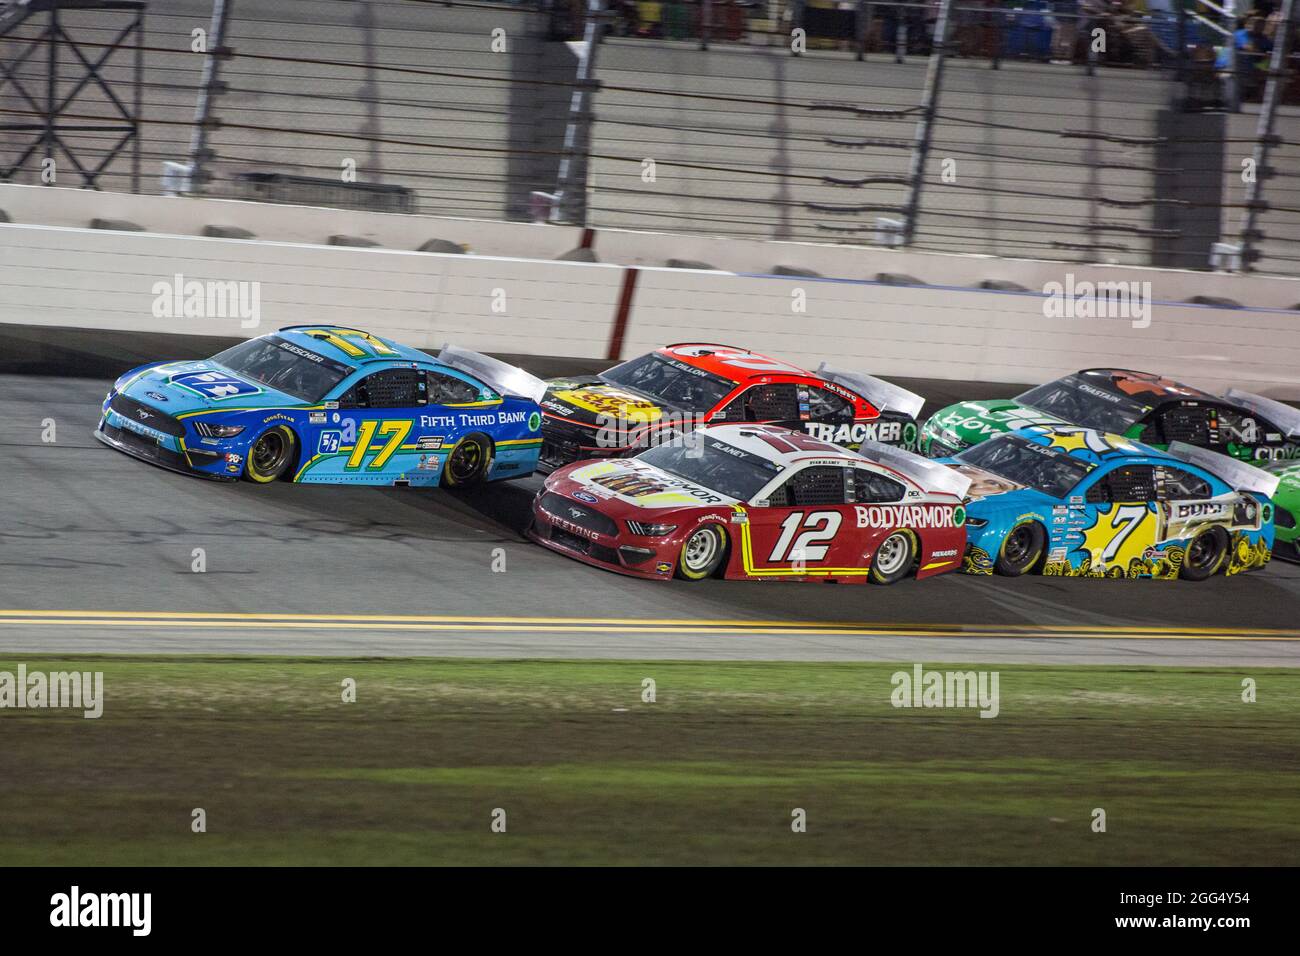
893, 559
1205, 555
1021, 549
702, 553
272, 455
468, 463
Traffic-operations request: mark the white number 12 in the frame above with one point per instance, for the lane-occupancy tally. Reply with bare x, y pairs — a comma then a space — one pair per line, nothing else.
822, 526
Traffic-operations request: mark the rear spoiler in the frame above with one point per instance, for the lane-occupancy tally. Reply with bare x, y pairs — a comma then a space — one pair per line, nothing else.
506, 379
882, 394
1239, 474
1282, 415
926, 472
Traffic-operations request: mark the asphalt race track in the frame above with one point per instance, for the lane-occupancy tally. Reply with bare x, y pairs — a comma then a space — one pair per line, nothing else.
96, 555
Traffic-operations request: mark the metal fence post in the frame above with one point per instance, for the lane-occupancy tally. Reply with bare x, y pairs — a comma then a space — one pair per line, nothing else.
1264, 136
209, 86
563, 208
925, 125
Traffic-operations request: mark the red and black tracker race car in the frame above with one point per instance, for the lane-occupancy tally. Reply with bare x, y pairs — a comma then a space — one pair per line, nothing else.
676, 389
760, 502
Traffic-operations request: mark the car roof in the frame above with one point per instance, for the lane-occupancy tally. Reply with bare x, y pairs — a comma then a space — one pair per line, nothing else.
923, 474
1147, 387
317, 338
729, 370
1083, 443
753, 439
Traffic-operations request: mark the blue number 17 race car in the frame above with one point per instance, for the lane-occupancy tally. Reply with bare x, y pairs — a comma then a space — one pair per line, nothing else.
330, 405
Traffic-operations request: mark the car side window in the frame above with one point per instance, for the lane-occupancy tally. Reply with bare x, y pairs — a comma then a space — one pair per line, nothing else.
819, 485
390, 388
1238, 427
1186, 423
1124, 483
1175, 484
449, 390
763, 403
871, 488
827, 406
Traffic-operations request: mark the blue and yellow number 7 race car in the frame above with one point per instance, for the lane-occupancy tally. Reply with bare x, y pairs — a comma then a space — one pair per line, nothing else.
330, 405
1076, 502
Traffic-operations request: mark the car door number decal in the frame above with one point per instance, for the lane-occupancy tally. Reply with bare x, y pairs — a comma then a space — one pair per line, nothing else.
821, 526
1126, 519
396, 430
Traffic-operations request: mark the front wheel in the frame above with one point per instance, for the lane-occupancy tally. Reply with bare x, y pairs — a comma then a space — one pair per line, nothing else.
1205, 555
272, 455
1021, 549
702, 553
468, 462
893, 559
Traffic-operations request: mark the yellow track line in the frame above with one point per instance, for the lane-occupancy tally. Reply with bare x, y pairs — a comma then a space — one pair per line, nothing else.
631, 628
219, 617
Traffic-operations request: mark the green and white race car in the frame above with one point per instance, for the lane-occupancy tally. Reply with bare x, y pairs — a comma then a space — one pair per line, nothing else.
1286, 510
1136, 405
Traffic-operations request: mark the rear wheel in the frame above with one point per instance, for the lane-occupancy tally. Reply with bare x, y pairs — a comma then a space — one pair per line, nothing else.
893, 559
1205, 555
702, 553
468, 462
272, 455
1021, 549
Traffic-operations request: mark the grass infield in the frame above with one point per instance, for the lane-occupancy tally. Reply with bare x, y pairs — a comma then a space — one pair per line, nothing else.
588, 773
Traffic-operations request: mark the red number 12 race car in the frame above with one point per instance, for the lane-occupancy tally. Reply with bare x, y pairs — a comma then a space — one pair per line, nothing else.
757, 501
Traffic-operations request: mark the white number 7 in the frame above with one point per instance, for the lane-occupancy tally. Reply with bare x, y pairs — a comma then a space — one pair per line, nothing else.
1131, 516
823, 525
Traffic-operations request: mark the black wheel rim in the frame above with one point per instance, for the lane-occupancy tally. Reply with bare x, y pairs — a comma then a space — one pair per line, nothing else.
1019, 545
269, 453
1200, 554
466, 461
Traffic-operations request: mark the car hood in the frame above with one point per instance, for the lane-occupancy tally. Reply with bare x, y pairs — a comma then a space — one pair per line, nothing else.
179, 387
593, 402
984, 484
627, 483
992, 495
972, 422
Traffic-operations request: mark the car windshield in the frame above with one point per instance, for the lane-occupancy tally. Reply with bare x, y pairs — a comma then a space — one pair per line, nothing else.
670, 382
279, 364
1025, 462
714, 465
1076, 400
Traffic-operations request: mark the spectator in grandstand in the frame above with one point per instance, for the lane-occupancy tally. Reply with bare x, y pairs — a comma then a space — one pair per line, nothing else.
1065, 30
1253, 47
649, 18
